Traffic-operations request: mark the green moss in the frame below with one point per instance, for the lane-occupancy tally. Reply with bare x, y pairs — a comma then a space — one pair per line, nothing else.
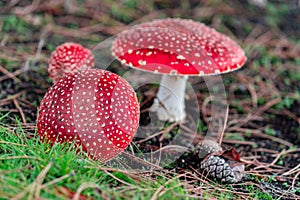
13, 23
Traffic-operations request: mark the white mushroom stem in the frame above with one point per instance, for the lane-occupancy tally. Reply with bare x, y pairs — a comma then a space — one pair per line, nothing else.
169, 102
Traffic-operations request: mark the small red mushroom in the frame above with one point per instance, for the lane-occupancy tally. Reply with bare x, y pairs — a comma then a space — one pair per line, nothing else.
96, 109
69, 58
176, 48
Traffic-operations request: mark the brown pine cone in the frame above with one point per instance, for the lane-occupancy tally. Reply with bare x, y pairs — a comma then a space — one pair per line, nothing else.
216, 167
206, 147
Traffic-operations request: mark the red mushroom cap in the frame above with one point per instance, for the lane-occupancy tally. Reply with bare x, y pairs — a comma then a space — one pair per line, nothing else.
95, 108
69, 58
178, 46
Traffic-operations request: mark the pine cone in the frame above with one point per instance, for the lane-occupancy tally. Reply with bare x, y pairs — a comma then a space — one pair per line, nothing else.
207, 147
216, 167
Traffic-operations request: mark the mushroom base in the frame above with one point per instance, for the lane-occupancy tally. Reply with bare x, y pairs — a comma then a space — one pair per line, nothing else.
169, 102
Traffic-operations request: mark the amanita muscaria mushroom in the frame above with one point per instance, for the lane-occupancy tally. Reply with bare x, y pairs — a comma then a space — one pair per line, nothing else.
96, 109
176, 48
69, 58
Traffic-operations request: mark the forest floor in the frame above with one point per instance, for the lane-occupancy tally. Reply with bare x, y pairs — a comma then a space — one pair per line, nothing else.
263, 98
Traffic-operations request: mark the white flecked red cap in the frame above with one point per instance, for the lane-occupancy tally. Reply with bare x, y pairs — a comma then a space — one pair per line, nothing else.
95, 109
68, 58
178, 46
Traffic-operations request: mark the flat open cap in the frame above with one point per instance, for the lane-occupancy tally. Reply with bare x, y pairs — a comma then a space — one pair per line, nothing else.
178, 46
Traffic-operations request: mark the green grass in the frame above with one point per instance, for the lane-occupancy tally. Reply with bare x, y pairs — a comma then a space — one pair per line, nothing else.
270, 131
30, 168
14, 23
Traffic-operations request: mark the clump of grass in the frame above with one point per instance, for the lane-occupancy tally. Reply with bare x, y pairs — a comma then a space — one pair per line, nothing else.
31, 168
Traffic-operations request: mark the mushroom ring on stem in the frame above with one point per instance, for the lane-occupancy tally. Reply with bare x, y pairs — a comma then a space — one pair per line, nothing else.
176, 48
94, 109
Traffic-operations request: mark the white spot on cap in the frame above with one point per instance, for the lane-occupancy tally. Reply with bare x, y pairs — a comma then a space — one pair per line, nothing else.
149, 53
142, 62
173, 72
180, 57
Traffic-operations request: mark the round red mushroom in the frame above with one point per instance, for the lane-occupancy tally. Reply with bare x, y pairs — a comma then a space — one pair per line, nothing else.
69, 58
96, 109
176, 48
